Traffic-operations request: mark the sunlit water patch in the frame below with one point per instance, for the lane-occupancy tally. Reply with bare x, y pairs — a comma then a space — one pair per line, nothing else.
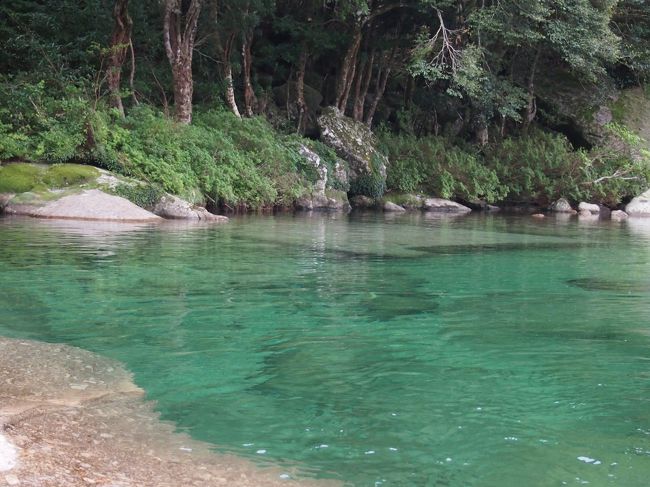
400, 351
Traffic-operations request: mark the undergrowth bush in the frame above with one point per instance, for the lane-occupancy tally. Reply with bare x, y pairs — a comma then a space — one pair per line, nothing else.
435, 165
542, 166
143, 195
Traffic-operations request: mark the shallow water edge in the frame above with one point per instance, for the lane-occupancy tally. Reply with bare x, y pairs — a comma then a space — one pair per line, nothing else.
71, 417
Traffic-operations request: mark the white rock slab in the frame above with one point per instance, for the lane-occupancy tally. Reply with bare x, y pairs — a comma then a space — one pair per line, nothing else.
8, 455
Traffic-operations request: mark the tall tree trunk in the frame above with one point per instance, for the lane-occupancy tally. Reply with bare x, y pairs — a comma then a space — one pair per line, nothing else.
380, 86
300, 88
179, 33
226, 64
346, 72
119, 45
531, 106
250, 100
362, 85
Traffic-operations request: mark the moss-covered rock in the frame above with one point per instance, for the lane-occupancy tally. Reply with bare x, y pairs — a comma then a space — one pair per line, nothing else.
355, 144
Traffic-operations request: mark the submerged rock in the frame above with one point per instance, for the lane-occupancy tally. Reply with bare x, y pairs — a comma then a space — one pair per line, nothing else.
619, 215
76, 419
443, 205
639, 206
175, 208
562, 206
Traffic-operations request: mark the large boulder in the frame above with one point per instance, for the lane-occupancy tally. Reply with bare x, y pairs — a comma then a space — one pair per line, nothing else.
584, 207
175, 208
639, 206
354, 143
91, 204
443, 206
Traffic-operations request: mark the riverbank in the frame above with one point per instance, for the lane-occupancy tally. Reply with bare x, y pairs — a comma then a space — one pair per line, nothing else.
69, 417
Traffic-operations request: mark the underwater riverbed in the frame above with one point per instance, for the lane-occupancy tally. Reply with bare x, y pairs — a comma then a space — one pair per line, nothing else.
377, 350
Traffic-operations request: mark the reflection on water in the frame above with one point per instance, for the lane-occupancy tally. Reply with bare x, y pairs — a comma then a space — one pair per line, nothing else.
473, 351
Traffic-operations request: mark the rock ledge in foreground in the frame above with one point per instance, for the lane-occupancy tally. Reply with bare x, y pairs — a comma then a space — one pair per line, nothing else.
91, 204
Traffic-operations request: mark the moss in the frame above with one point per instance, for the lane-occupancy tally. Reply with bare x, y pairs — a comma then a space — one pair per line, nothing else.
64, 175
19, 178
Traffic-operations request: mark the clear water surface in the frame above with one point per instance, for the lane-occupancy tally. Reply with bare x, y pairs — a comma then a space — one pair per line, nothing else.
404, 351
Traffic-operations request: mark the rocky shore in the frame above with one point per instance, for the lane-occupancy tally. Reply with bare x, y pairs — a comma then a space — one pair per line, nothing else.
71, 418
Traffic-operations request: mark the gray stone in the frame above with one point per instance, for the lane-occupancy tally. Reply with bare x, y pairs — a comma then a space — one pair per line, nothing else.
619, 215
590, 207
315, 160
175, 208
538, 215
353, 142
392, 207
443, 205
639, 206
562, 206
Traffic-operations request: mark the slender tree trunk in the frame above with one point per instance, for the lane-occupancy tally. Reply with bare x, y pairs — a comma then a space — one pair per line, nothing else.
361, 89
183, 90
119, 45
380, 86
300, 89
231, 101
179, 32
346, 73
250, 100
531, 106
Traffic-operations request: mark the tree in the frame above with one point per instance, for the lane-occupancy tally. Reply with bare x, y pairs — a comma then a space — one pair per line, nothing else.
119, 45
179, 34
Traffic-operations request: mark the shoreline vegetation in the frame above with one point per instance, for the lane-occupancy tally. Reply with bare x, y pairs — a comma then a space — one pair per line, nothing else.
57, 393
260, 105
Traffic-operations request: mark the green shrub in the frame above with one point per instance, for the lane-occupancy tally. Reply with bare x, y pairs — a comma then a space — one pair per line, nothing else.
144, 195
436, 165
542, 167
371, 185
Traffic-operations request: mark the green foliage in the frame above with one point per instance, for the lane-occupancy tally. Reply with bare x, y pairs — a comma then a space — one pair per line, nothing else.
541, 167
370, 184
37, 125
434, 165
235, 162
143, 195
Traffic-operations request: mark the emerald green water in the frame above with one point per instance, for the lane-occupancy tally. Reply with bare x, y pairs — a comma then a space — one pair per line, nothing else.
405, 351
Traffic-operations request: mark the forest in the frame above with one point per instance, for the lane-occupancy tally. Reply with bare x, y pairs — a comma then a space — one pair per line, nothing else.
500, 101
